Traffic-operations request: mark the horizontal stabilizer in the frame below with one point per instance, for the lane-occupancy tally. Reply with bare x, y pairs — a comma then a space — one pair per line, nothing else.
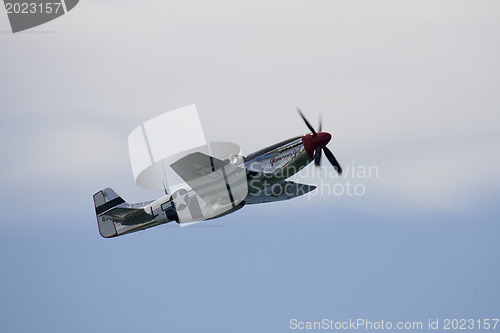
129, 216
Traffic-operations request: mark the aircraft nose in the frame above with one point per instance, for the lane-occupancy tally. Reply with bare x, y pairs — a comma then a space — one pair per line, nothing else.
322, 139
311, 141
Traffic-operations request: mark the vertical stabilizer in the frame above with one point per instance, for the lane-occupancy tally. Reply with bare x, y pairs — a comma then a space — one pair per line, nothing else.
105, 200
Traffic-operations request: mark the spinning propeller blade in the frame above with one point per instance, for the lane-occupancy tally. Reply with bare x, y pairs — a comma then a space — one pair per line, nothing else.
317, 156
332, 160
307, 123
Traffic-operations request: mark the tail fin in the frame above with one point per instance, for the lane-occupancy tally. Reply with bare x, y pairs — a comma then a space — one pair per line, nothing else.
115, 217
105, 200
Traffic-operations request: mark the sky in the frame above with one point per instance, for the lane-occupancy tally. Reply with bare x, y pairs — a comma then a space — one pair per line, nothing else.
408, 89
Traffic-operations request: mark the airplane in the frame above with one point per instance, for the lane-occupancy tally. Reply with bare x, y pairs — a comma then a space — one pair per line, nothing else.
219, 186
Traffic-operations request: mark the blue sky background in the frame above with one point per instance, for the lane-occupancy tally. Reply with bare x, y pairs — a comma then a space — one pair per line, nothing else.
410, 87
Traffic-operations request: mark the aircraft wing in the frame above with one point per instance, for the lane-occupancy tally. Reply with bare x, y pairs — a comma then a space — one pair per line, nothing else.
213, 180
282, 191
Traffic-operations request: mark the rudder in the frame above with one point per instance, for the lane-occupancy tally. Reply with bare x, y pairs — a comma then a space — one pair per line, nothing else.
104, 200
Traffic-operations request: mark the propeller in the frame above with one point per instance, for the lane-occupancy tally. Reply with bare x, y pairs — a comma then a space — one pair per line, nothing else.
318, 144
307, 123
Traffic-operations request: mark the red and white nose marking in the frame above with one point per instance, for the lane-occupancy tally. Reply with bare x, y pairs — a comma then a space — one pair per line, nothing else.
312, 141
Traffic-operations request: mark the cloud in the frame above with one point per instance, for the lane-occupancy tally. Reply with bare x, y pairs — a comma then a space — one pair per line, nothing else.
407, 87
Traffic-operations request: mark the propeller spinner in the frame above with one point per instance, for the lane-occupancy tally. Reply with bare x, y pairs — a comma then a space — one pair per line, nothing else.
316, 142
